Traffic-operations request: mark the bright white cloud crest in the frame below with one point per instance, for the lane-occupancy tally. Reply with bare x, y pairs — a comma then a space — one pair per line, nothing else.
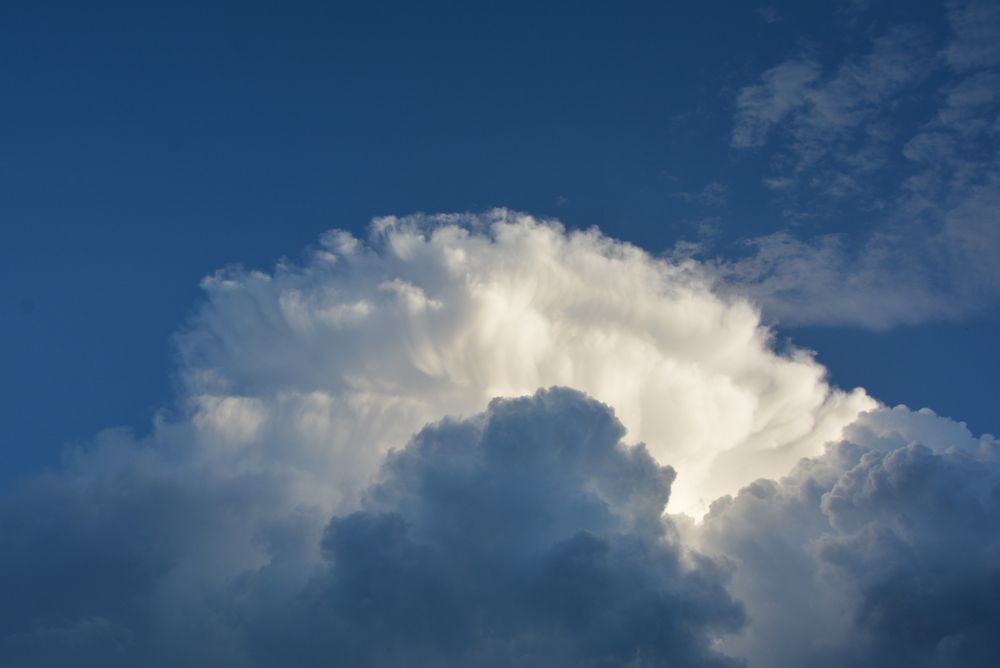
322, 368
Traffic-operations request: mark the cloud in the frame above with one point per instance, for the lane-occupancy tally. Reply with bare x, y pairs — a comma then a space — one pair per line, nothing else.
976, 30
890, 538
820, 114
320, 368
969, 103
274, 517
295, 385
713, 195
783, 89
872, 147
885, 284
526, 535
932, 259
768, 14
121, 558
529, 533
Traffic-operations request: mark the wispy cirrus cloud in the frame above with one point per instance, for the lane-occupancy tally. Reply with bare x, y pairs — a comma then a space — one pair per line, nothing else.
712, 195
783, 89
846, 145
810, 116
976, 32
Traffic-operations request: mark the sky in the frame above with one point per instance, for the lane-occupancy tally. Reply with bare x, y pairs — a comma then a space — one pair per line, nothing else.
314, 313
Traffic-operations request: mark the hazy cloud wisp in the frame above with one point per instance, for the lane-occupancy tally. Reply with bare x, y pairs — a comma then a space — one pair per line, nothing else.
928, 252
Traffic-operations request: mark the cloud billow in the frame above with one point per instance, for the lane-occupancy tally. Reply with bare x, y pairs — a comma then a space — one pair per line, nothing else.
528, 535
890, 539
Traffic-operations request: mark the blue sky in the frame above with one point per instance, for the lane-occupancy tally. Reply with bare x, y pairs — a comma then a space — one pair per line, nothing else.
146, 146
253, 255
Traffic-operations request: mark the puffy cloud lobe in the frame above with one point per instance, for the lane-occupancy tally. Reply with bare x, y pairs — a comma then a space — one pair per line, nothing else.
883, 550
529, 535
128, 557
320, 368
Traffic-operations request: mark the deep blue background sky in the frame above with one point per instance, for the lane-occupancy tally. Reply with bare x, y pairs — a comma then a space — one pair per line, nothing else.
144, 145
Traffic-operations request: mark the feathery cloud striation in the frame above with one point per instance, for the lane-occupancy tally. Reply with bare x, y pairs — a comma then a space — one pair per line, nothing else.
325, 366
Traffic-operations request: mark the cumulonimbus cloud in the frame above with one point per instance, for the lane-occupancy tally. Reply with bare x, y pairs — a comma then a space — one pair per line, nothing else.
287, 514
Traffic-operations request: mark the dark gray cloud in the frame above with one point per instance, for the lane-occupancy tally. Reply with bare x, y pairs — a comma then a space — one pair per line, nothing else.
127, 557
525, 536
884, 551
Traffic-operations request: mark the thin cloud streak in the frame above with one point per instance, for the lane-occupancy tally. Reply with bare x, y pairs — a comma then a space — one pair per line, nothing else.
930, 255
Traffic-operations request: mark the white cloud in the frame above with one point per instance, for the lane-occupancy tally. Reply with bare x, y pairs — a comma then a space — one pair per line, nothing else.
459, 310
